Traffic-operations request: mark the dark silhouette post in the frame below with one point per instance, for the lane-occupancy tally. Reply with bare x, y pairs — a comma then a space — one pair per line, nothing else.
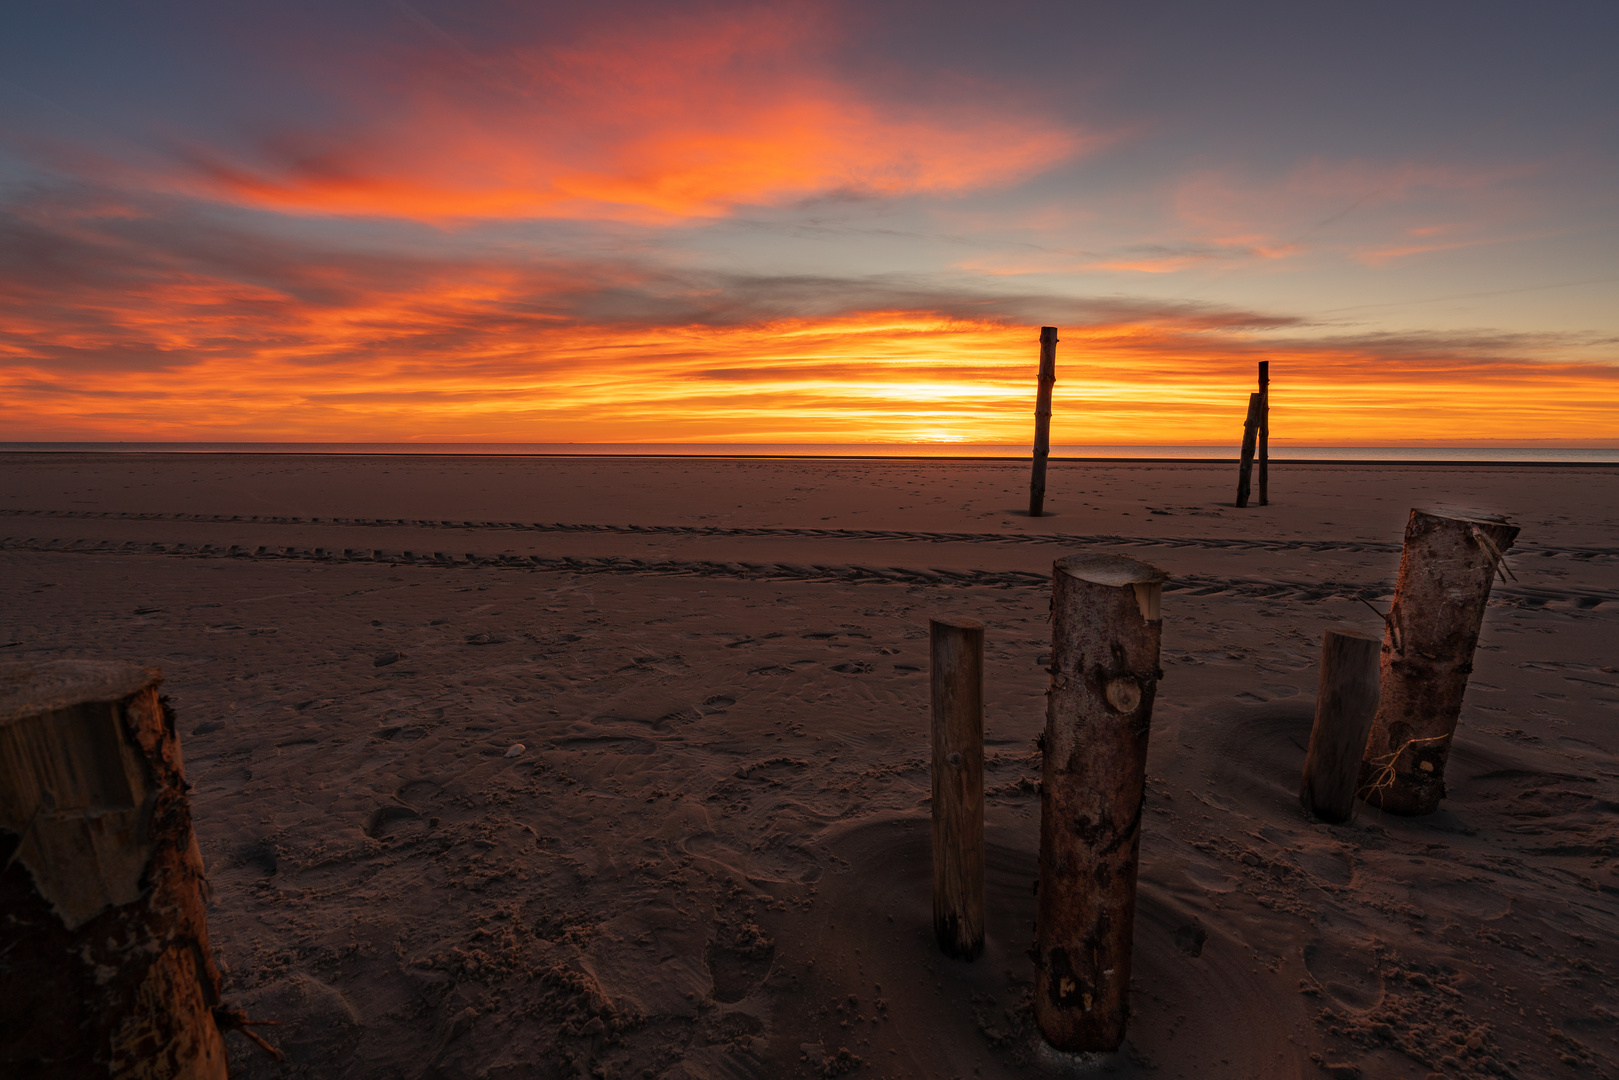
1042, 419
1250, 432
1264, 433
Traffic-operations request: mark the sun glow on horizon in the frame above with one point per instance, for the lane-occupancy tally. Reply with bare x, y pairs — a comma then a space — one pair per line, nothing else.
375, 374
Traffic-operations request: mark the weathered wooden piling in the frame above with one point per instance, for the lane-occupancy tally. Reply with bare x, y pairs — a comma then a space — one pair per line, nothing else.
1042, 419
1344, 707
1250, 432
1105, 629
1264, 433
956, 647
1446, 568
104, 961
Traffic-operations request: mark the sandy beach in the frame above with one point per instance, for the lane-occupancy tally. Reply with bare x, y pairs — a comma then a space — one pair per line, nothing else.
709, 856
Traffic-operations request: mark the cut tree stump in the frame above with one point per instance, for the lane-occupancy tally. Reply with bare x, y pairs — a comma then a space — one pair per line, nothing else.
104, 961
1105, 630
1446, 569
957, 651
1344, 707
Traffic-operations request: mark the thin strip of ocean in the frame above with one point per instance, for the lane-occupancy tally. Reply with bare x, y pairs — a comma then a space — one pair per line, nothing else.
1502, 454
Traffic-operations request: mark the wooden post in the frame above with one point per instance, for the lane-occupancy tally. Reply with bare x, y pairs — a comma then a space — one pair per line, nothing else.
957, 652
1250, 431
1446, 569
104, 961
1264, 433
1105, 629
1042, 419
1344, 706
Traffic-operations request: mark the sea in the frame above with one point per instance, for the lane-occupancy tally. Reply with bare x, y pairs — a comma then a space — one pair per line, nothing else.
983, 451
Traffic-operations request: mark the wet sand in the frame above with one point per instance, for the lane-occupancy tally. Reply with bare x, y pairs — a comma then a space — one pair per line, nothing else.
711, 858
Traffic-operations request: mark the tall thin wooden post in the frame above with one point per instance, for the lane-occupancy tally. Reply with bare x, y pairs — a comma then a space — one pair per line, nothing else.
1446, 568
1042, 419
104, 961
957, 652
1344, 707
1105, 630
1250, 431
1264, 433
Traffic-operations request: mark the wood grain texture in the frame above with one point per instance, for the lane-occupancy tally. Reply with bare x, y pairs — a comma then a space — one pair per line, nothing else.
1446, 570
957, 655
1344, 707
104, 962
1105, 631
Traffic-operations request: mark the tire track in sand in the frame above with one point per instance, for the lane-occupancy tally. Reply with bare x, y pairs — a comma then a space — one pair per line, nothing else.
898, 535
848, 574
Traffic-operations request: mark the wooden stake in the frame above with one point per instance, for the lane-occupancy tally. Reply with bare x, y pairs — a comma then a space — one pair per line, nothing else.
104, 961
1446, 569
1105, 629
1344, 706
1250, 431
1264, 433
1042, 419
957, 649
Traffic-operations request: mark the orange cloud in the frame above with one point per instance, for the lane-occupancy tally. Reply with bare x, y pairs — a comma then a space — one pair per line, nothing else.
1136, 258
124, 325
453, 362
666, 117
1427, 241
1384, 205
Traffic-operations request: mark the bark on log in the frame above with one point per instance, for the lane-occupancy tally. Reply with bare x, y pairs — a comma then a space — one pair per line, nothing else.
1446, 569
957, 650
1264, 433
1042, 419
104, 961
1105, 629
1344, 707
1250, 432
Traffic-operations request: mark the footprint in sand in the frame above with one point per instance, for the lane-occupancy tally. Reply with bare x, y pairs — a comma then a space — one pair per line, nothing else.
416, 790
1345, 973
1189, 939
381, 822
739, 966
260, 855
318, 1028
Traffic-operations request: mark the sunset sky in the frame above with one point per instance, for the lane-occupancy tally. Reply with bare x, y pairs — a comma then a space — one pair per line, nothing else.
414, 220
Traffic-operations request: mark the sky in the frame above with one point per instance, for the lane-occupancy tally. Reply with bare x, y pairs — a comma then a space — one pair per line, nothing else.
410, 220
